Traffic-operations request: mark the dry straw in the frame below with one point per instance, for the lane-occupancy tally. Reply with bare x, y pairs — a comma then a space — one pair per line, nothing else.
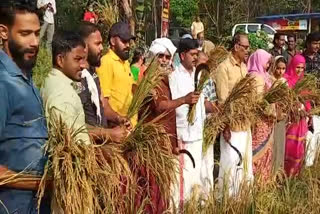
237, 112
83, 180
203, 71
149, 145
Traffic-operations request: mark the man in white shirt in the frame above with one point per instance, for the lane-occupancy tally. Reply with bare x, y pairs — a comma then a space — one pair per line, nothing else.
190, 136
49, 8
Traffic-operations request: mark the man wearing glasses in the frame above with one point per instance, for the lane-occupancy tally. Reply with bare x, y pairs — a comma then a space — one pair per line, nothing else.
311, 53
229, 72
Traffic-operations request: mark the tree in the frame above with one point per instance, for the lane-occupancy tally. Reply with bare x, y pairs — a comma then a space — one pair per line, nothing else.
183, 11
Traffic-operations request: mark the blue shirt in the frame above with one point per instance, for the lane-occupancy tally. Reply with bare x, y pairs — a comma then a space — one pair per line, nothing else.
23, 130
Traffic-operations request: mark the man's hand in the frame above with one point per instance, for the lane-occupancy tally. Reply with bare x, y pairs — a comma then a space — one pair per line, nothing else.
118, 134
125, 121
191, 98
227, 134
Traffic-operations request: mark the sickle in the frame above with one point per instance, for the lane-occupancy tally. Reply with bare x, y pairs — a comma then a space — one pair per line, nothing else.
196, 74
184, 151
238, 152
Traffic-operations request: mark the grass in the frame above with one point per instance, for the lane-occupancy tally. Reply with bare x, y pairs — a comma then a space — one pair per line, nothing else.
42, 68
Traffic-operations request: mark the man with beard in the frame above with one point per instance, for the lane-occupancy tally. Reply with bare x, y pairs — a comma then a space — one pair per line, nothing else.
89, 87
59, 90
228, 74
23, 129
115, 75
189, 135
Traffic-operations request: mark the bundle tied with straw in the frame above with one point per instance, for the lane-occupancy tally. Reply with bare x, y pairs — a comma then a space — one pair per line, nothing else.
83, 180
203, 70
237, 112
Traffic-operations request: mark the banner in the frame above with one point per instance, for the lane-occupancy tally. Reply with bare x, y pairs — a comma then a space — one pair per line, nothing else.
287, 25
165, 18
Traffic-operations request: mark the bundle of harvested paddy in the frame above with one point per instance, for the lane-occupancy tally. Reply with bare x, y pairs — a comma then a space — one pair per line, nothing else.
240, 104
149, 146
305, 91
83, 180
278, 94
216, 56
143, 93
203, 70
238, 111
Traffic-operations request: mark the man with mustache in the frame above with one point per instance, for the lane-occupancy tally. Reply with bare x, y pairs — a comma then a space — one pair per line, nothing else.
228, 74
115, 75
89, 87
23, 129
190, 135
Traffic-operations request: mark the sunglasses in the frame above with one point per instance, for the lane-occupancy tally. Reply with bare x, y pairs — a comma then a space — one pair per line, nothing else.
161, 56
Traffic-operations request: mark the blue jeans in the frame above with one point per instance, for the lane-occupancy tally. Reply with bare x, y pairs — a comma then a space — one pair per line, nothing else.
14, 201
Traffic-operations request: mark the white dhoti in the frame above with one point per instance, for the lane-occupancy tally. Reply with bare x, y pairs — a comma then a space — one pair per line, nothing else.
188, 176
232, 176
313, 141
206, 176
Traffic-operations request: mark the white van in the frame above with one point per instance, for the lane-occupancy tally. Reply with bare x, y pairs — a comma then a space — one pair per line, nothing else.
254, 28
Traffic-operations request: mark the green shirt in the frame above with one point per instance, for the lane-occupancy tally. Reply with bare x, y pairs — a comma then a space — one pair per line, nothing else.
135, 72
59, 95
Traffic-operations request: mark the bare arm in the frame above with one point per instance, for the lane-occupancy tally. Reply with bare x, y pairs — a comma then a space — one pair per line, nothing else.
116, 134
168, 105
109, 112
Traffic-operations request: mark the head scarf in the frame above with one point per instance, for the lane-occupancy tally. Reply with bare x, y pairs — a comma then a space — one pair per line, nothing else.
291, 74
161, 45
256, 64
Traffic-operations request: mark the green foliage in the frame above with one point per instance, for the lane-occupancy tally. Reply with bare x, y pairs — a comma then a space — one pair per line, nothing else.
259, 40
70, 13
182, 12
42, 68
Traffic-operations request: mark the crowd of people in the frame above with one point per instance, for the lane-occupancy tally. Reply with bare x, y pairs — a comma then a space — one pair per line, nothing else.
88, 89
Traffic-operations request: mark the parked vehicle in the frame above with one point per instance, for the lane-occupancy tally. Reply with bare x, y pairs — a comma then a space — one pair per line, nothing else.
254, 28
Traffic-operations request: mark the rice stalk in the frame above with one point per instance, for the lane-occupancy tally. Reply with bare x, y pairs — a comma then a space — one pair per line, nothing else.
213, 125
280, 95
305, 90
149, 146
108, 13
238, 111
205, 76
83, 180
217, 56
143, 93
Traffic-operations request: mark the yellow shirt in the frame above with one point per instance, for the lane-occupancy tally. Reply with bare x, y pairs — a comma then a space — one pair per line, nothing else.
228, 74
59, 95
116, 83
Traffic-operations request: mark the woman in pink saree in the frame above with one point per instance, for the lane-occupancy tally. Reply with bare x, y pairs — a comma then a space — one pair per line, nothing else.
262, 138
296, 132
